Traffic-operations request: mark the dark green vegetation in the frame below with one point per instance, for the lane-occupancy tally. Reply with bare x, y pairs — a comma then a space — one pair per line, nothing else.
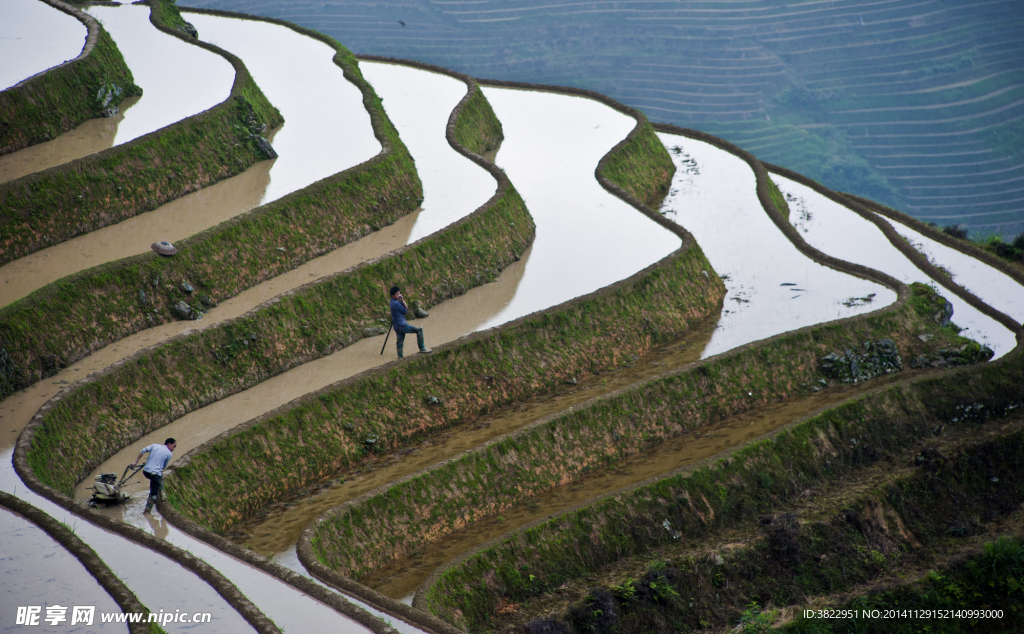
49, 207
64, 97
97, 420
992, 580
642, 167
903, 512
913, 103
477, 128
755, 480
392, 407
539, 457
68, 319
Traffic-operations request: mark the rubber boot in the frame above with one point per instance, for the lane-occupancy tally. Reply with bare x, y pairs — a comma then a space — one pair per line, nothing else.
400, 344
419, 340
150, 502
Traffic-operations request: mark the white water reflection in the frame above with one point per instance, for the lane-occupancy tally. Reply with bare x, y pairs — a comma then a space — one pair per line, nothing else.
586, 238
327, 129
160, 583
35, 37
290, 560
991, 285
419, 103
771, 287
178, 79
37, 571
841, 233
289, 608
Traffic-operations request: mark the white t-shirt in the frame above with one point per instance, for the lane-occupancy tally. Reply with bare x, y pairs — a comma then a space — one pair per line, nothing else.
159, 456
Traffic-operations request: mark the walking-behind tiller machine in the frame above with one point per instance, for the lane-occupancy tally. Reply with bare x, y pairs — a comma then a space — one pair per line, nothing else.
107, 489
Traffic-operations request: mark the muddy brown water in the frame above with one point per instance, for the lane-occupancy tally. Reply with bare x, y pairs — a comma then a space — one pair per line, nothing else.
95, 135
285, 522
448, 321
403, 576
174, 221
18, 409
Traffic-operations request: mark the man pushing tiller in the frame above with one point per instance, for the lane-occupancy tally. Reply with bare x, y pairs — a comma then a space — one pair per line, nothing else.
398, 311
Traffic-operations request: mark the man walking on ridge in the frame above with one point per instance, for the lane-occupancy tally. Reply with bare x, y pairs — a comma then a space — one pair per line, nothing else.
159, 456
398, 310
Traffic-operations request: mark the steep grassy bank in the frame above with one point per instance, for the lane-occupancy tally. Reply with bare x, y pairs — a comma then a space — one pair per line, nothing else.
156, 386
906, 512
989, 581
389, 407
51, 103
70, 318
49, 207
642, 166
367, 533
756, 479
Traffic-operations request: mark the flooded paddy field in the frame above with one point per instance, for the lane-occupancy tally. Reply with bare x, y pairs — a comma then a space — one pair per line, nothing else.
35, 37
38, 571
843, 234
586, 240
166, 69
95, 135
772, 287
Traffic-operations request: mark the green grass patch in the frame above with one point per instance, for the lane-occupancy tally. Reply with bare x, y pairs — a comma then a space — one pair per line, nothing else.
753, 480
541, 457
55, 205
64, 97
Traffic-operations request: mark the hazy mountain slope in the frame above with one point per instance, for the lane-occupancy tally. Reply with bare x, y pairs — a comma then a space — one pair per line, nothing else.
916, 103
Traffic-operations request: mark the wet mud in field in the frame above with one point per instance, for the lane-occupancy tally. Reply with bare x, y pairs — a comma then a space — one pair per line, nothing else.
280, 527
403, 576
178, 219
18, 409
95, 135
448, 321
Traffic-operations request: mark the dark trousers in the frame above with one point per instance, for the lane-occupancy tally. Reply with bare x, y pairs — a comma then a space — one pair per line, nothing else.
403, 329
156, 483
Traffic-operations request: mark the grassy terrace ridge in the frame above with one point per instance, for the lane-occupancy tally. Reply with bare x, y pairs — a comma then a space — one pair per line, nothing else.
61, 98
754, 480
68, 319
395, 520
93, 422
923, 502
390, 407
992, 578
65, 536
46, 208
624, 308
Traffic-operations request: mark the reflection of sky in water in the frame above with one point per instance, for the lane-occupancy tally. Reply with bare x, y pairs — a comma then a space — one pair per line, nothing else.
160, 583
34, 37
327, 129
36, 570
771, 287
586, 238
839, 232
993, 287
178, 79
419, 103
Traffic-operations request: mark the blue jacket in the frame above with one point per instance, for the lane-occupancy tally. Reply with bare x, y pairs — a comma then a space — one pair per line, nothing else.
398, 313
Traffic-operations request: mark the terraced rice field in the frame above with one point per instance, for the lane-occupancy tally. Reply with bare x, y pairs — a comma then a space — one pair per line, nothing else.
916, 104
595, 310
